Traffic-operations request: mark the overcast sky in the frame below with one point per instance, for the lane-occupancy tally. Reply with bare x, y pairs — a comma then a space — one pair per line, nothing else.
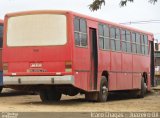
140, 10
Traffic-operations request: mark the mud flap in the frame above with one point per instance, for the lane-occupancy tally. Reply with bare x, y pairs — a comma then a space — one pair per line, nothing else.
91, 96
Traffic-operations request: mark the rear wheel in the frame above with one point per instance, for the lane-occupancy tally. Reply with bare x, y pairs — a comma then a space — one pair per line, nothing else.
44, 96
1, 89
143, 90
103, 93
50, 95
54, 95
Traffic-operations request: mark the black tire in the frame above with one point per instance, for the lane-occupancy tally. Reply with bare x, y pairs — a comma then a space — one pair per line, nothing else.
50, 95
54, 95
143, 89
44, 96
103, 93
1, 89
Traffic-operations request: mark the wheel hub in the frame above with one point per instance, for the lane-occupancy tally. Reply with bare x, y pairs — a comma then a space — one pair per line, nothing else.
104, 89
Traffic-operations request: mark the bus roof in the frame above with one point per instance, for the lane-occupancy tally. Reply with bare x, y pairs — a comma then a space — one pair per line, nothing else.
113, 24
80, 15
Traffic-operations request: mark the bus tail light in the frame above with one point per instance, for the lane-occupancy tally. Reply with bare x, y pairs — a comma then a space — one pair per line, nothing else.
68, 66
5, 68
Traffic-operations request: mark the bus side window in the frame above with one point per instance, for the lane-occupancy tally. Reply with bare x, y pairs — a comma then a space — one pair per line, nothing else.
123, 39
118, 44
101, 37
128, 41
112, 38
80, 32
145, 44
134, 42
103, 32
138, 43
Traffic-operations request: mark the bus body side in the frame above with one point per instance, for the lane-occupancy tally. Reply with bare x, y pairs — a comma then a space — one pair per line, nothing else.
123, 70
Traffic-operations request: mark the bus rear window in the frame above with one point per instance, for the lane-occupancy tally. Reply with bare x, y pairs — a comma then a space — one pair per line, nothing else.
37, 30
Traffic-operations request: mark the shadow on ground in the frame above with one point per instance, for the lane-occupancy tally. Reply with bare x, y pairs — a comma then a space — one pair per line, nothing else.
118, 96
14, 93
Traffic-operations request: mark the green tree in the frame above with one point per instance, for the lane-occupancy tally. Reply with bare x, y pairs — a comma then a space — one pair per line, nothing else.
97, 4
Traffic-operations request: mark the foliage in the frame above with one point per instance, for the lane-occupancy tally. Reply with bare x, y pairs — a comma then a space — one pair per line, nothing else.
97, 4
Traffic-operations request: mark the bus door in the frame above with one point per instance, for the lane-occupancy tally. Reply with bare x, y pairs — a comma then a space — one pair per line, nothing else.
94, 58
152, 71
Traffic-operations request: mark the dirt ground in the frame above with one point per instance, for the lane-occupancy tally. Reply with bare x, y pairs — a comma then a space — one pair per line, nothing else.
13, 101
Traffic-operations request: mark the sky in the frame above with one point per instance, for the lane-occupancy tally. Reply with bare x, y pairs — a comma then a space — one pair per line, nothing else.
139, 10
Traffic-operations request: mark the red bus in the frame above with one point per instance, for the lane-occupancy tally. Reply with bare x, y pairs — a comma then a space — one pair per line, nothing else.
1, 42
63, 52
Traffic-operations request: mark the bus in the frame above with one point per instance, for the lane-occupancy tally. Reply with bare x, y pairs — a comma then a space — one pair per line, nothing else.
1, 42
59, 52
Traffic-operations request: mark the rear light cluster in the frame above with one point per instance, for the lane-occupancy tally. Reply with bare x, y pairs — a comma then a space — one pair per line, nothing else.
68, 66
5, 68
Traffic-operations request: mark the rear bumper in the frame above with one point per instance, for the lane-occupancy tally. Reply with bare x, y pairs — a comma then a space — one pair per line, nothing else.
35, 80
